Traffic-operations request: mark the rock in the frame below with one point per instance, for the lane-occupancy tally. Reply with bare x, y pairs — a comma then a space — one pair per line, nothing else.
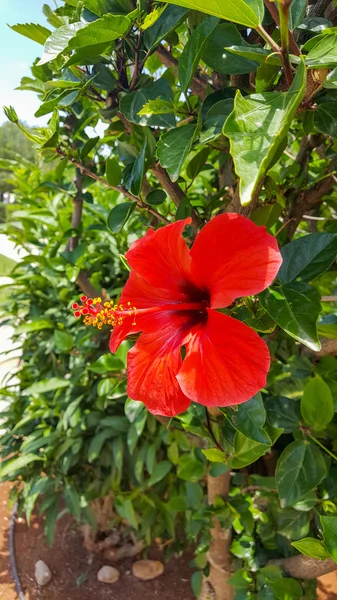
147, 569
108, 574
43, 573
127, 551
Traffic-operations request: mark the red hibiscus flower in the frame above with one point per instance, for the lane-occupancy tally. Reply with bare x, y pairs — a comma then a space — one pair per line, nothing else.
188, 351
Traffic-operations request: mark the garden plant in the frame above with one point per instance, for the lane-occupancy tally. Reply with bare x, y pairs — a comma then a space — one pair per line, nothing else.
175, 305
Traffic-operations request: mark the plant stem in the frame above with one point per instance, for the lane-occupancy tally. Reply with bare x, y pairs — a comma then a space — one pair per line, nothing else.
121, 189
211, 432
284, 6
267, 38
322, 446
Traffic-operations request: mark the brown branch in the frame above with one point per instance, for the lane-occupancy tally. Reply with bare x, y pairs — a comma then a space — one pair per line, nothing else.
138, 66
173, 189
293, 47
85, 285
120, 189
307, 201
304, 567
198, 84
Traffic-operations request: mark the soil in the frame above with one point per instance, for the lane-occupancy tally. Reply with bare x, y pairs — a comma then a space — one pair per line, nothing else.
74, 570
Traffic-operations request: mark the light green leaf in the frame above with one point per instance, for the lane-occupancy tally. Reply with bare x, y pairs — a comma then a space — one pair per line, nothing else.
247, 451
311, 547
307, 257
6, 265
160, 471
323, 52
215, 455
173, 148
119, 215
167, 22
300, 468
46, 385
329, 525
286, 589
245, 12
257, 130
295, 308
35, 32
317, 406
58, 41
113, 171
156, 107
9, 467
190, 469
189, 59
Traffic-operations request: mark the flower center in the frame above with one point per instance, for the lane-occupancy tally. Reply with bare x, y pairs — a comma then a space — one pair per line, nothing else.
98, 314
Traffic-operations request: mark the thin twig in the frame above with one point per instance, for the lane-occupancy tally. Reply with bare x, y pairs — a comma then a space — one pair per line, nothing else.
120, 189
211, 432
329, 298
293, 47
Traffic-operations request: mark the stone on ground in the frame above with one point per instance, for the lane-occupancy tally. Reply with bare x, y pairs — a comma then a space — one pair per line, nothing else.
43, 573
108, 574
147, 569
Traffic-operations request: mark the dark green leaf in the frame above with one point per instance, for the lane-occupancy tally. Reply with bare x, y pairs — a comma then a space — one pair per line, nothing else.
196, 583
174, 147
160, 471
167, 22
257, 129
63, 341
295, 308
323, 52
329, 525
189, 59
190, 469
286, 589
317, 406
283, 412
88, 146
156, 197
11, 466
293, 524
300, 468
119, 215
131, 104
197, 163
125, 508
216, 56
96, 444
249, 419
325, 118
307, 257
138, 170
215, 120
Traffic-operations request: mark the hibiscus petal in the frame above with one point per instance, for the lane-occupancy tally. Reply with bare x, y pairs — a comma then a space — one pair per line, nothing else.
141, 295
233, 257
226, 363
153, 364
162, 258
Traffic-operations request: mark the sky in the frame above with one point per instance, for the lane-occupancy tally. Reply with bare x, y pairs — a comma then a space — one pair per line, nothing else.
17, 53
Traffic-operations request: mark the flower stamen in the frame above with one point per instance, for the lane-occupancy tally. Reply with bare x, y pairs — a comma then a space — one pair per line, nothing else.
97, 314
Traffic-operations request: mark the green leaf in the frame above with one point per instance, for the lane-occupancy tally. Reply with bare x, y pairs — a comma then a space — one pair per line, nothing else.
249, 12
297, 13
286, 589
283, 412
300, 468
72, 499
246, 451
196, 583
249, 419
190, 469
81, 35
323, 52
325, 118
58, 41
113, 171
257, 130
106, 363
63, 341
197, 163
174, 147
138, 170
167, 22
217, 57
317, 406
156, 197
125, 508
51, 515
295, 308
119, 215
307, 257
189, 59
9, 467
46, 385
160, 471
156, 107
6, 265
35, 32
329, 526
215, 120
88, 146
311, 547
131, 104
215, 455
293, 524
97, 442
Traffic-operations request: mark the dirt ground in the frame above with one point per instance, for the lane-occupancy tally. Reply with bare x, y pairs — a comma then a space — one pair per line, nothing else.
74, 572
